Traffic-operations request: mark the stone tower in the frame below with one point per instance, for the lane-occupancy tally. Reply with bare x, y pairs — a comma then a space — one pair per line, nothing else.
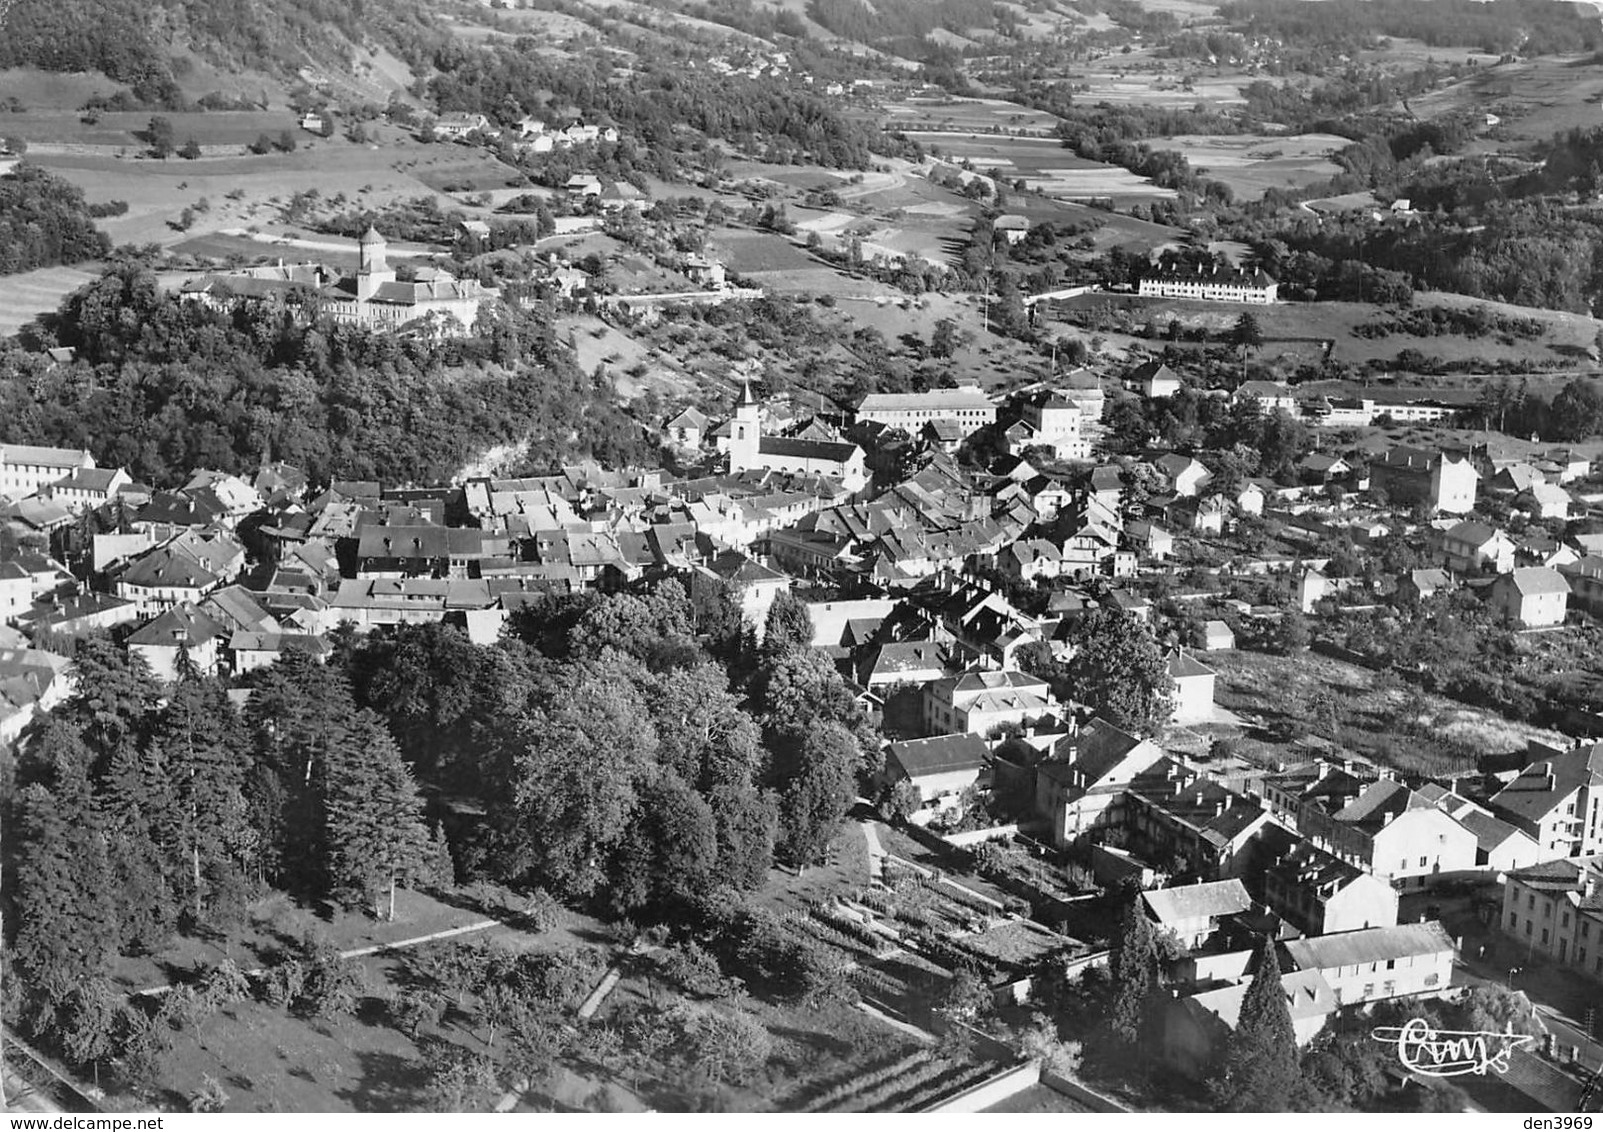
373, 271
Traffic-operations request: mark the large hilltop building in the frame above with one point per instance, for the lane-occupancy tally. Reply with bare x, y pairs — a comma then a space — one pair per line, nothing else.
1223, 285
374, 298
750, 450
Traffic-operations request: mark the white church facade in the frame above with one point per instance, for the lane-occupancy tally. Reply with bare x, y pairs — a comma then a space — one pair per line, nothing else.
750, 450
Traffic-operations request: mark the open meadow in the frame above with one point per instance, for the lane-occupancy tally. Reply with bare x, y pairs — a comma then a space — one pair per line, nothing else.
24, 297
1252, 163
1532, 99
1304, 333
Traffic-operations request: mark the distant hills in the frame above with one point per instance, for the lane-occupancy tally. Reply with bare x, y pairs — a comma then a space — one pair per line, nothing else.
148, 44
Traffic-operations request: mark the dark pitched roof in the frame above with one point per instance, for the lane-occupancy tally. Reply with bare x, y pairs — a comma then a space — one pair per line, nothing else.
1368, 945
943, 754
806, 449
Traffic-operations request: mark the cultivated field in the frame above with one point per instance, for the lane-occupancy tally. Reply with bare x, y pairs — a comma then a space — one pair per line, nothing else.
1299, 333
1534, 99
964, 115
1251, 163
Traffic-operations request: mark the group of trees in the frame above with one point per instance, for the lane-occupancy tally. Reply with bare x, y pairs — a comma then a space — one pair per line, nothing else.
161, 386
640, 753
45, 221
1116, 669
141, 811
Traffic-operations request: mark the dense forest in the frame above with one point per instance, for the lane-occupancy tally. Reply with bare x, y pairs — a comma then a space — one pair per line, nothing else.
636, 754
128, 40
45, 221
888, 21
162, 387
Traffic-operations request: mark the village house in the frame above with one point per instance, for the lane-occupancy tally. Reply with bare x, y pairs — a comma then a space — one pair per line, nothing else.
1556, 908
1193, 911
1151, 540
979, 701
1153, 379
1394, 833
1440, 481
1217, 636
1011, 227
460, 127
942, 768
1080, 787
1192, 684
1184, 475
179, 636
1557, 800
1585, 576
1197, 1027
1380, 963
1418, 585
1194, 822
1532, 597
1270, 395
688, 428
1317, 893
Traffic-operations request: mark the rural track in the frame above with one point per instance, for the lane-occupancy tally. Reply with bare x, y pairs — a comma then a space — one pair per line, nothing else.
359, 952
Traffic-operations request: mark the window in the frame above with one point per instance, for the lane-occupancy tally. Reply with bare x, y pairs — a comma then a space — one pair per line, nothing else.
1369, 990
1423, 861
1564, 920
1547, 909
1544, 937
1391, 964
1432, 980
1514, 920
1528, 928
1530, 901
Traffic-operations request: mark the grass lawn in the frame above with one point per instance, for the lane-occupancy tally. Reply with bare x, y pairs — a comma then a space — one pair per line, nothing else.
269, 1060
278, 922
25, 296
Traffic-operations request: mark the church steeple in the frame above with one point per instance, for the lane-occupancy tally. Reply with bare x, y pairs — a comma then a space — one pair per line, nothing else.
745, 431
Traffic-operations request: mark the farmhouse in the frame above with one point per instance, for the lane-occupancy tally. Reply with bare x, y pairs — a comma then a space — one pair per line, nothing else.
1229, 285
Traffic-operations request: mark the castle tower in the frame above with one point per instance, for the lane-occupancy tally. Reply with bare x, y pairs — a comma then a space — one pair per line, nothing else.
373, 271
745, 432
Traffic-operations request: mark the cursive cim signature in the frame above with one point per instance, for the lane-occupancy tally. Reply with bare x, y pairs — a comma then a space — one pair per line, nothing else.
1450, 1053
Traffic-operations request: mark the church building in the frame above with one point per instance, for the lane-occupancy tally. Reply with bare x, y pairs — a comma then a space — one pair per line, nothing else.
749, 449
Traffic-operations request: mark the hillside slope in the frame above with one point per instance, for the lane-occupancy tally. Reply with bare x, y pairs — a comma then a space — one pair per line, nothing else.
150, 45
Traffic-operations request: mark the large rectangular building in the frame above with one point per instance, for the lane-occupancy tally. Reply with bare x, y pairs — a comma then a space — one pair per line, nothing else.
970, 408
